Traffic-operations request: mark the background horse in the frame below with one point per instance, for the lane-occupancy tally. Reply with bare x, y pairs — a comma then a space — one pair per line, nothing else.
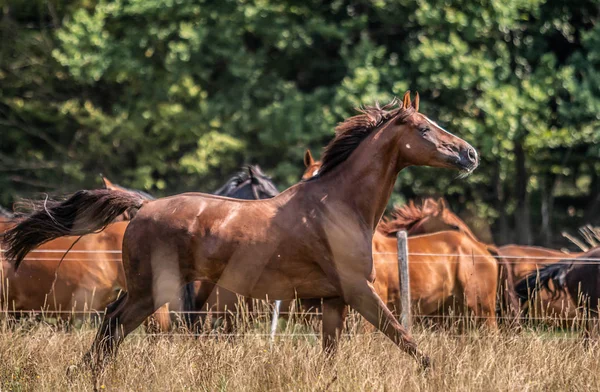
578, 280
521, 261
465, 278
312, 241
89, 277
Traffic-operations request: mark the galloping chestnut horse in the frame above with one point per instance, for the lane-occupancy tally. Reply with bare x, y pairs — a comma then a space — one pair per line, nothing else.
311, 241
6, 214
249, 184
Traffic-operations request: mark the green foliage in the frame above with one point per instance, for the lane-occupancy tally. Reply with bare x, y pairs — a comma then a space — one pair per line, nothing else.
170, 96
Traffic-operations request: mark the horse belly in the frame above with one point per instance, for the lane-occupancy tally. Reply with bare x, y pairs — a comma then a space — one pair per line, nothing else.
303, 283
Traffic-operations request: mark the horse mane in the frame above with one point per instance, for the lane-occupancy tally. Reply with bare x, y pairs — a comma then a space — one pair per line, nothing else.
239, 178
350, 133
403, 217
144, 195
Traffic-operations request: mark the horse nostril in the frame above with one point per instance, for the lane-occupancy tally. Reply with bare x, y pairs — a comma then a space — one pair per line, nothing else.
472, 155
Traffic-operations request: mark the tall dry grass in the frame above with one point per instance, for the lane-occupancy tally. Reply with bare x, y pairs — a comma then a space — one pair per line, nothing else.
35, 358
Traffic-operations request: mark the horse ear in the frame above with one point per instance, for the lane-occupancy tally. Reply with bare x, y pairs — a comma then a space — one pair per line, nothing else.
252, 174
415, 103
308, 158
107, 184
429, 206
442, 204
406, 100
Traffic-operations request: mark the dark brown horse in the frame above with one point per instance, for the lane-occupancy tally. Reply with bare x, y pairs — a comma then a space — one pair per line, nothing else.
521, 260
577, 280
313, 240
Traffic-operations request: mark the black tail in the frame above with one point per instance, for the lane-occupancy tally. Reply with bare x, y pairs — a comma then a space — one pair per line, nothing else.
83, 213
189, 306
541, 279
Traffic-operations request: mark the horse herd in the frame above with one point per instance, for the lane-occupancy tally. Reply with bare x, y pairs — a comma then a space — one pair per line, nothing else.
323, 240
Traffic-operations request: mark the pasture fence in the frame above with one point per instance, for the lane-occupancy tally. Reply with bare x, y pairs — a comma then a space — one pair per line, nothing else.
404, 279
404, 259
567, 259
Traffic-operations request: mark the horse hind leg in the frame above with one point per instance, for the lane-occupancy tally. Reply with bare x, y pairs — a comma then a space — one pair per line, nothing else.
122, 317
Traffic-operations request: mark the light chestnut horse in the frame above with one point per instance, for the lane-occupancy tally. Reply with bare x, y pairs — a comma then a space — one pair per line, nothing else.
89, 277
464, 279
313, 240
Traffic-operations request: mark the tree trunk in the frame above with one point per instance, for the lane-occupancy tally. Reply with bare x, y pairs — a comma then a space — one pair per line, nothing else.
548, 185
522, 214
502, 236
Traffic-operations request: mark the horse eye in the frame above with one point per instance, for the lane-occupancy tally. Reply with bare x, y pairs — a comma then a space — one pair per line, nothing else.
424, 129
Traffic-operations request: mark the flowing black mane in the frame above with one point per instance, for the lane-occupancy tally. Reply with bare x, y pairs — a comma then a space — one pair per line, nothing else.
350, 133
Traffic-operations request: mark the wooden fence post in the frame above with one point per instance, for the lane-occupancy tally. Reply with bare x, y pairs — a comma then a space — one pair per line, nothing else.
405, 316
275, 319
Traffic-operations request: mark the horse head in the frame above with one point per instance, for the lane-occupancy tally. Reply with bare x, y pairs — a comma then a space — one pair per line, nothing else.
250, 184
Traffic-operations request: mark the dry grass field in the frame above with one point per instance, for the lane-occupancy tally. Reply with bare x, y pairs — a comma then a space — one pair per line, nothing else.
36, 359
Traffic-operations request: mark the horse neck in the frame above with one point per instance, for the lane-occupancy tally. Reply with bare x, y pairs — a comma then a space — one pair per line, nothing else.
365, 181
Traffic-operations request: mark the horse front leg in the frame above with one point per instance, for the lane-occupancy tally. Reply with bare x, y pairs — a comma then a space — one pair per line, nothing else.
362, 297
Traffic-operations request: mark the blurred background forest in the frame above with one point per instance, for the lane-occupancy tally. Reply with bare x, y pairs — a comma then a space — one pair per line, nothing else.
170, 96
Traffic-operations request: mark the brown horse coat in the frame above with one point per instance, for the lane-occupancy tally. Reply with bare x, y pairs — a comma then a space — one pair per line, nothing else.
466, 278
314, 240
89, 278
521, 261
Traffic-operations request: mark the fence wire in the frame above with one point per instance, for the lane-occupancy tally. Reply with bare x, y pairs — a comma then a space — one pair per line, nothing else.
506, 259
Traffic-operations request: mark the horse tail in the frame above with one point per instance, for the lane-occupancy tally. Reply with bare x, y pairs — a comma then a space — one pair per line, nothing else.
507, 299
189, 305
541, 279
85, 212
